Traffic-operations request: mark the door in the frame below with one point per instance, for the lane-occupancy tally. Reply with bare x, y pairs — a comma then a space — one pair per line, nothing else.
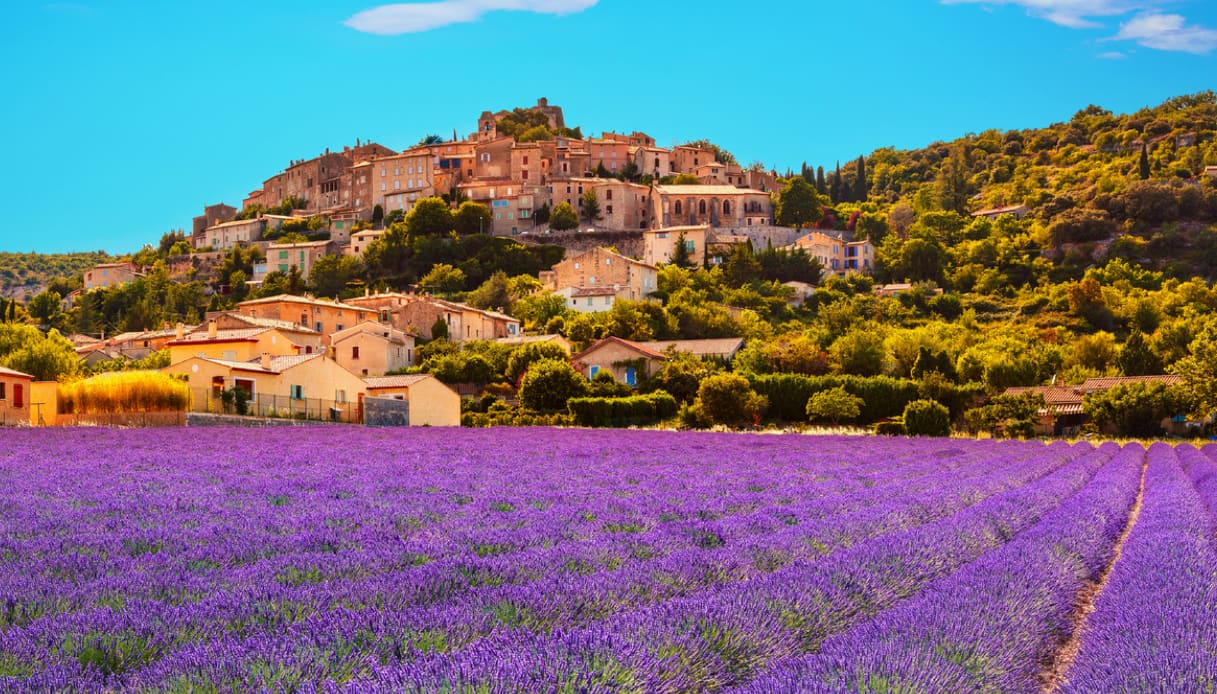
18, 395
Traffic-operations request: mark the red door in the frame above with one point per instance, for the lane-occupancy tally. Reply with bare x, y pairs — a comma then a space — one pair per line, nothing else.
18, 395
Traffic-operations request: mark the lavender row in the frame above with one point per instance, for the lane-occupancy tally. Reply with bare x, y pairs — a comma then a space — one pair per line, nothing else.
990, 625
723, 637
118, 565
1154, 627
568, 601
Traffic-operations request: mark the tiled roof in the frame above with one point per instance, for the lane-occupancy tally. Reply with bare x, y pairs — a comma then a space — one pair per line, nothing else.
403, 381
637, 347
10, 372
270, 323
291, 298
706, 190
1093, 384
202, 335
725, 346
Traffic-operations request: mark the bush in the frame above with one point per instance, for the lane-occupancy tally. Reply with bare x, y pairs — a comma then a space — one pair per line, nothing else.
549, 384
622, 411
729, 399
890, 427
125, 391
835, 405
927, 418
882, 396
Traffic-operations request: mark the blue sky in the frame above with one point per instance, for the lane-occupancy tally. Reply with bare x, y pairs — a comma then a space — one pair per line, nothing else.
124, 119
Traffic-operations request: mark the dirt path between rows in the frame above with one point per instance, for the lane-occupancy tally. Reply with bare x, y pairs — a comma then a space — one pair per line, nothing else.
1057, 665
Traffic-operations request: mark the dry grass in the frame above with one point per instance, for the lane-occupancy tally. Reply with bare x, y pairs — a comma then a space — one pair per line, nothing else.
124, 391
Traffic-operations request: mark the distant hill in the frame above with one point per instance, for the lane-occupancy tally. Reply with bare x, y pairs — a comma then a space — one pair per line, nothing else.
23, 274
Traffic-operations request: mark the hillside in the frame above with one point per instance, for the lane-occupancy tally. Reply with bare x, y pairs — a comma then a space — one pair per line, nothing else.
23, 274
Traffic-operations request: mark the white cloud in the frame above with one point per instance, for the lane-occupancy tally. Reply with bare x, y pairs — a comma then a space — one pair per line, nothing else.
1075, 14
413, 17
1148, 26
1167, 32
1112, 55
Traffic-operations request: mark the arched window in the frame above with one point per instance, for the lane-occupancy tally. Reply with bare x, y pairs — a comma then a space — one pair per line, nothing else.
726, 207
677, 207
701, 207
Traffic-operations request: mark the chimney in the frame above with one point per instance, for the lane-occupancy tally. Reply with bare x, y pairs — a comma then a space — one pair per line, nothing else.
212, 330
181, 331
265, 361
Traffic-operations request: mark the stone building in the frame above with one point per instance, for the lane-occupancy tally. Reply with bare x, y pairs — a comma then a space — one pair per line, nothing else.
212, 215
600, 267
719, 206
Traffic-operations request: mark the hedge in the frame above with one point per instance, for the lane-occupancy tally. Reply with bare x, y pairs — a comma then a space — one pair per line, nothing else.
882, 396
615, 412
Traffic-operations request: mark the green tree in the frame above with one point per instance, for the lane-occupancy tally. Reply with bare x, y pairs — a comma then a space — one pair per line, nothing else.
494, 293
799, 204
951, 187
443, 279
473, 218
1199, 371
332, 273
563, 217
861, 190
524, 356
1136, 409
589, 207
741, 267
680, 252
45, 309
429, 218
835, 405
439, 330
45, 357
1136, 358
927, 418
681, 375
727, 398
549, 383
1143, 164
859, 351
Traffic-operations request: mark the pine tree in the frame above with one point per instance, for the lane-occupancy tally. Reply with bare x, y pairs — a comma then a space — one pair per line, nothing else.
1144, 162
861, 190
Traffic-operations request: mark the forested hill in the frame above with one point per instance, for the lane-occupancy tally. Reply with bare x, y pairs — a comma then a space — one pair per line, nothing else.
23, 274
1099, 186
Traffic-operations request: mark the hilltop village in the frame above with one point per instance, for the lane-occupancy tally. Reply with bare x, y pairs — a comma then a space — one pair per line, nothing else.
1011, 282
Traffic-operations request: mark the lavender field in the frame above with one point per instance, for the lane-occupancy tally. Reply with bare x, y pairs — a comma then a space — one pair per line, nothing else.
522, 560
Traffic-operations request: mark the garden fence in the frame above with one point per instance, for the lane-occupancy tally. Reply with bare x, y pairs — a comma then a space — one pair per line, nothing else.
279, 406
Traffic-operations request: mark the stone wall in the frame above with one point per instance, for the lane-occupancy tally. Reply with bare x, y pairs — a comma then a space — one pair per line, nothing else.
386, 412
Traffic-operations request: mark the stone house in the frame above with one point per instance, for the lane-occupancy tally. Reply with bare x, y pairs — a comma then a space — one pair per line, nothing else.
600, 268
431, 402
282, 256
660, 244
629, 362
372, 349
400, 180
212, 215
14, 397
416, 314
324, 317
108, 275
718, 206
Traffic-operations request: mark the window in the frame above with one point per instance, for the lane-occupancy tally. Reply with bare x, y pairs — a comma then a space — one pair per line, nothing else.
677, 207
701, 207
630, 377
2, 386
355, 352
592, 371
608, 209
608, 194
297, 392
340, 396
726, 207
318, 327
608, 261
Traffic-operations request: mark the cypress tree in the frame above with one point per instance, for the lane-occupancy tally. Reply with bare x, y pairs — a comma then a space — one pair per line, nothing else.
861, 190
821, 186
1144, 162
836, 188
4, 309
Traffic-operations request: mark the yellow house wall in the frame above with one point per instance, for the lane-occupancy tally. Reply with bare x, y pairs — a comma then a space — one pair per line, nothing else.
376, 354
431, 403
605, 356
8, 413
321, 378
46, 393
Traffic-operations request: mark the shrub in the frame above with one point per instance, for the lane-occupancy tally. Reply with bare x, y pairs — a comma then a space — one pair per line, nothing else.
890, 427
729, 399
125, 391
927, 418
549, 384
835, 405
622, 411
882, 396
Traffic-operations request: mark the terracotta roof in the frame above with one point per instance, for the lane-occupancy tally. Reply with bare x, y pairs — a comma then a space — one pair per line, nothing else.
637, 347
202, 335
607, 290
370, 328
706, 190
10, 372
725, 346
291, 298
1059, 400
270, 323
1093, 384
403, 381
